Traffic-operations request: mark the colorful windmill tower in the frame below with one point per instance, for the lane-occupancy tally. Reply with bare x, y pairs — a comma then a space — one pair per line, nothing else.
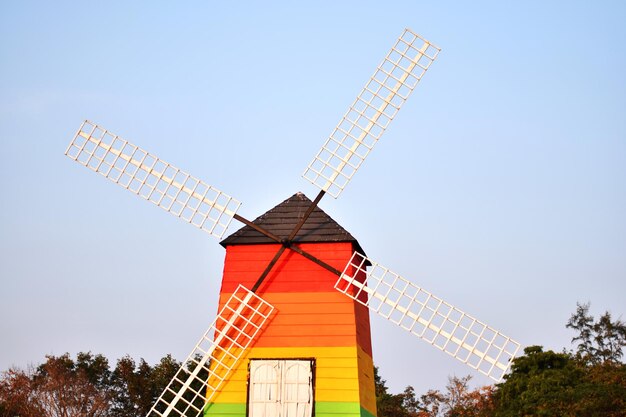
292, 337
316, 352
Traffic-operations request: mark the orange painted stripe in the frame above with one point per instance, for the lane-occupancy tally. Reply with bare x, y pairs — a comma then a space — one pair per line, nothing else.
364, 334
314, 319
304, 341
276, 297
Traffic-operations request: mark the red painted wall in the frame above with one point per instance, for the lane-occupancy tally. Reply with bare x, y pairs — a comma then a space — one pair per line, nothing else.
310, 312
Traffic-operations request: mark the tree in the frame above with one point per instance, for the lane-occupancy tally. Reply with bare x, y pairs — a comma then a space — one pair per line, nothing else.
16, 394
587, 383
134, 393
540, 384
59, 387
390, 405
94, 367
558, 384
85, 387
137, 386
409, 401
598, 342
63, 388
457, 401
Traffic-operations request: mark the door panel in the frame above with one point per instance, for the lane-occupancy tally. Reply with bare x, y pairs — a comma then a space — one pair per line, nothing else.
264, 388
298, 389
281, 388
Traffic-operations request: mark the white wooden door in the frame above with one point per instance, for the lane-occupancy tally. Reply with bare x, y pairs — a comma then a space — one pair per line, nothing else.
280, 388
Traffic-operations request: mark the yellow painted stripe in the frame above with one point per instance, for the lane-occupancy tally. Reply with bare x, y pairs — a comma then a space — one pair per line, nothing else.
342, 374
367, 394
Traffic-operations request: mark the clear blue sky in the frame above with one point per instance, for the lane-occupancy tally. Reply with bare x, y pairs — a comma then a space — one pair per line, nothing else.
500, 186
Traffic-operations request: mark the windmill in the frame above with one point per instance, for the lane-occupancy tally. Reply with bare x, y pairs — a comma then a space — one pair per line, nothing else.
243, 364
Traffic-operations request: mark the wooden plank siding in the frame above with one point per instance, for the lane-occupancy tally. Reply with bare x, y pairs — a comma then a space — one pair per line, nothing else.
311, 320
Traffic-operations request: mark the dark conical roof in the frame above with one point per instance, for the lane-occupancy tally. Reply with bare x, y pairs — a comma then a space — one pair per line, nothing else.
282, 219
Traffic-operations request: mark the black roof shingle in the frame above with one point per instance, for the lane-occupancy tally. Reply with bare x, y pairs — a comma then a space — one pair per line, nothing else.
282, 219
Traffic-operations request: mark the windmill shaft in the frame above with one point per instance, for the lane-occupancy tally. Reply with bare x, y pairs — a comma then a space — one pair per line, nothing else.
294, 248
296, 228
316, 260
257, 227
268, 269
287, 242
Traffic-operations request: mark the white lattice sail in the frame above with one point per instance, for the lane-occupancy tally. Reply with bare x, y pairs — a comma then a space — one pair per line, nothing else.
427, 316
153, 179
210, 363
370, 114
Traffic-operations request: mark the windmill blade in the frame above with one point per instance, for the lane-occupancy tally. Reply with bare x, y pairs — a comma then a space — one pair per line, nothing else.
210, 363
153, 179
370, 114
428, 317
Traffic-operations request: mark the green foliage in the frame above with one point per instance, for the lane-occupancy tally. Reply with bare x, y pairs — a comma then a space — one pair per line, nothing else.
95, 368
457, 401
137, 387
557, 384
540, 384
590, 382
167, 369
85, 387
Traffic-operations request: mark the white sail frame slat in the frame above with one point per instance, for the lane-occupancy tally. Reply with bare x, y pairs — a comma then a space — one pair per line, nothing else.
427, 316
153, 179
214, 357
371, 112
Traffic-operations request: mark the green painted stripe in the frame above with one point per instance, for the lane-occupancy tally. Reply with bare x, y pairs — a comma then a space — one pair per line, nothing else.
330, 408
365, 413
225, 409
